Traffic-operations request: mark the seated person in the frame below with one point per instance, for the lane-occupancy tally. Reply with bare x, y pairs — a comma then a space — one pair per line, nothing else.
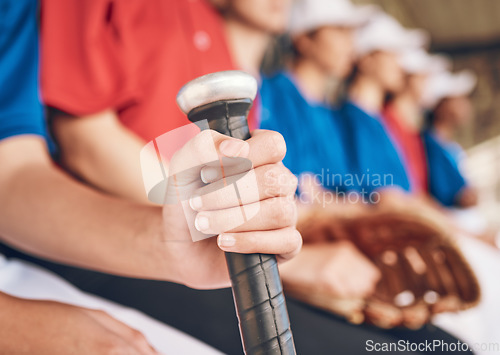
447, 96
47, 213
294, 101
404, 116
377, 73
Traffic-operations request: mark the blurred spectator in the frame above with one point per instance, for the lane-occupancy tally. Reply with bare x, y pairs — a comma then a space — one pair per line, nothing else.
249, 27
447, 96
377, 74
404, 116
293, 100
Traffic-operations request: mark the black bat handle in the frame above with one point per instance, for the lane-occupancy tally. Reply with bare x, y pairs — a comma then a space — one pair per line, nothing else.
256, 284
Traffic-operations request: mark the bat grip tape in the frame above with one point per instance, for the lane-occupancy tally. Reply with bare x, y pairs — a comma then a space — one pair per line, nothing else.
255, 280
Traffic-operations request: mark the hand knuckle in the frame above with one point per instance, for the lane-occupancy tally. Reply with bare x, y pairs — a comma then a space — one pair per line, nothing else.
330, 285
272, 173
292, 211
285, 213
273, 210
278, 150
272, 181
100, 312
298, 241
137, 336
113, 347
287, 181
293, 240
294, 182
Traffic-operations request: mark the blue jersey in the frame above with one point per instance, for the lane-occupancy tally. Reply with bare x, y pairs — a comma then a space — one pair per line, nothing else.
444, 176
20, 108
454, 149
310, 130
372, 156
348, 150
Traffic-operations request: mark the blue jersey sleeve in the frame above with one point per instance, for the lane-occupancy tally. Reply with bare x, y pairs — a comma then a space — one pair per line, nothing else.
309, 129
445, 179
373, 159
20, 108
279, 114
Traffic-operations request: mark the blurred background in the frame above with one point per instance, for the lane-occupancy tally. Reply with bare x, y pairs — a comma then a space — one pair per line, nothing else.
469, 33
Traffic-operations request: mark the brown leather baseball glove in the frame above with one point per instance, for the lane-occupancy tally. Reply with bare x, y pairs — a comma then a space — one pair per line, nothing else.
423, 271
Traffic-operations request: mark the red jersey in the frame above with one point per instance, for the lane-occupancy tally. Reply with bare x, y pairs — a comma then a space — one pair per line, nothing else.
131, 56
411, 147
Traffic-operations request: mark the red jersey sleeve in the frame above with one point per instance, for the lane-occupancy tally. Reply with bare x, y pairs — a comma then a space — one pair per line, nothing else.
131, 56
82, 71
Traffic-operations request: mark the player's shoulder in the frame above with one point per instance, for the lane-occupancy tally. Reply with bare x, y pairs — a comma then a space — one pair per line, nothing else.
280, 89
278, 79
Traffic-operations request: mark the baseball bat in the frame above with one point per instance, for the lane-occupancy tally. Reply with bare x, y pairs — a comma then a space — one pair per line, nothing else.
223, 100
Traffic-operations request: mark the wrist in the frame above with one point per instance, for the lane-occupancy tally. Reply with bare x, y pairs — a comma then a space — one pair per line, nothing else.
150, 249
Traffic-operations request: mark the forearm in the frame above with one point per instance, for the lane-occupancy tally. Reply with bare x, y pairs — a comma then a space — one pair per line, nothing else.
47, 213
98, 149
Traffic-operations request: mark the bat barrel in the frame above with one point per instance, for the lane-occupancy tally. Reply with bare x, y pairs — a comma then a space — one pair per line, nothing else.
255, 280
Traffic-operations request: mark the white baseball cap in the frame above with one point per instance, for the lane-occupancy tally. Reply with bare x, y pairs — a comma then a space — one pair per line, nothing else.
308, 15
385, 33
418, 61
447, 84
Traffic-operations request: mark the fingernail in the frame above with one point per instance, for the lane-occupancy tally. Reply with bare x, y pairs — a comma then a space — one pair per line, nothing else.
209, 174
195, 203
233, 148
201, 223
226, 240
